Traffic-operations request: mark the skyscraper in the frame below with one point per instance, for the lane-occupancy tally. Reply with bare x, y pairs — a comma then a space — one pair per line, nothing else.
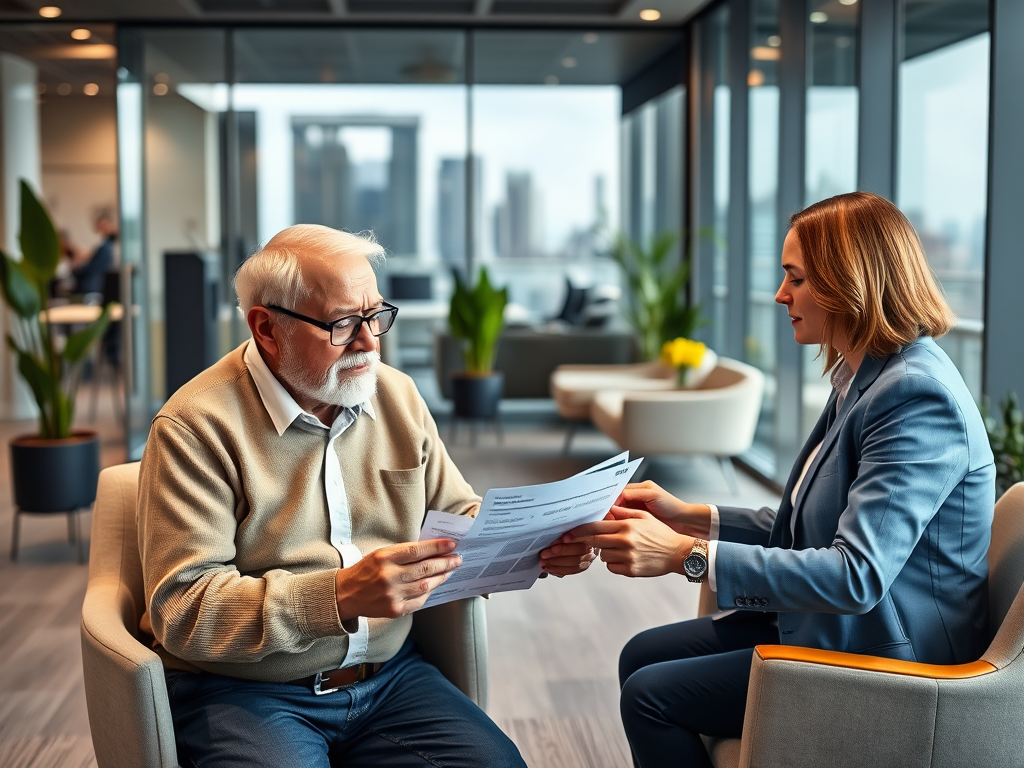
337, 185
516, 219
451, 205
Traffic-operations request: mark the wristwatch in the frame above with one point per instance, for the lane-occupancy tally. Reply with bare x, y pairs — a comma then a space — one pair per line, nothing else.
695, 564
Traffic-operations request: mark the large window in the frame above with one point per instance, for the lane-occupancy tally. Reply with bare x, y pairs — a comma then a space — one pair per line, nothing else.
457, 148
830, 158
763, 180
943, 151
548, 166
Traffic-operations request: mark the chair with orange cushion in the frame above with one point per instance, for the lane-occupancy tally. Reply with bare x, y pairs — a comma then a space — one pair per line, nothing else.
809, 708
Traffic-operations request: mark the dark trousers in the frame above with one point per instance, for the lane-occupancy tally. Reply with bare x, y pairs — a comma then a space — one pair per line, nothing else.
406, 715
687, 679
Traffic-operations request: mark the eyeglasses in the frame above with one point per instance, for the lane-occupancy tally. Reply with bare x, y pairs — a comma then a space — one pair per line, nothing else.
345, 329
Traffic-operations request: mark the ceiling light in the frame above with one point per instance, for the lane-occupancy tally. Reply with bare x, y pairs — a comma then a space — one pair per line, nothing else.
755, 78
774, 41
81, 34
591, 38
764, 53
551, 80
649, 14
77, 51
428, 69
64, 89
90, 89
49, 11
847, 2
160, 89
569, 62
819, 17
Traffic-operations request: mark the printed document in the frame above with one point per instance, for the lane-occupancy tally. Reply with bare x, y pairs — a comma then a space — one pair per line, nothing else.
501, 546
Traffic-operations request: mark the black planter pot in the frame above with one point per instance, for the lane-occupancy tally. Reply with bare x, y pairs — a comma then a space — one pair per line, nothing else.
54, 476
477, 397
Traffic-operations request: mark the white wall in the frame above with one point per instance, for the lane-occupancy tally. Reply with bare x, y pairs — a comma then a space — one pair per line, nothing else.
182, 205
79, 163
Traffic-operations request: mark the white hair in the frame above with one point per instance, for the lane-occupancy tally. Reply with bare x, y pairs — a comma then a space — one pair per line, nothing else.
273, 275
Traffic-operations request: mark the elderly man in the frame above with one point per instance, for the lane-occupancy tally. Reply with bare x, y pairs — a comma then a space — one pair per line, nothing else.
281, 496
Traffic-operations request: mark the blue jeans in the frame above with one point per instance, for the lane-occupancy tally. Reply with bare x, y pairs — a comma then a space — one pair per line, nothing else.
407, 714
682, 680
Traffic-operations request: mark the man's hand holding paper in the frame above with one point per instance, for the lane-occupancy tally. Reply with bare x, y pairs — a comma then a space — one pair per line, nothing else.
501, 547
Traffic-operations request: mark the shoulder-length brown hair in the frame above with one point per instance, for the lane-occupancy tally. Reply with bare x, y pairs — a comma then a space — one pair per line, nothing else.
865, 266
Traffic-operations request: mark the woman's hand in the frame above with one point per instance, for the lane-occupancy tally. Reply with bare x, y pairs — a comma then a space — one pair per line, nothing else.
689, 519
633, 542
565, 558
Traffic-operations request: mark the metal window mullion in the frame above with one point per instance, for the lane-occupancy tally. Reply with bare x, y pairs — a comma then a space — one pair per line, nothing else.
792, 157
1002, 363
738, 234
878, 62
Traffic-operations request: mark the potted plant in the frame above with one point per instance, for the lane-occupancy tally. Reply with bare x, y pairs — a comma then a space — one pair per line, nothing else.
477, 317
1007, 441
656, 304
57, 469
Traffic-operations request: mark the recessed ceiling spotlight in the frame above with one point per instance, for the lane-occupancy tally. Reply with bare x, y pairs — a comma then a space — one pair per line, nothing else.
819, 17
774, 41
81, 34
847, 2
650, 14
551, 80
49, 11
64, 89
591, 38
569, 62
160, 89
90, 89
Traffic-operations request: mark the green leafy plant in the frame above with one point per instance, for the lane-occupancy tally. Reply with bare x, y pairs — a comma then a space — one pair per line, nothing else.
656, 303
1007, 441
477, 316
50, 364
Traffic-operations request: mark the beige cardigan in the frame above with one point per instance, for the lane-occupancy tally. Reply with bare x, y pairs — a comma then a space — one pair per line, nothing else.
234, 531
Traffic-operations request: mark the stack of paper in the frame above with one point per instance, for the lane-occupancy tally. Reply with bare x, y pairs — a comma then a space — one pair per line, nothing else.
501, 546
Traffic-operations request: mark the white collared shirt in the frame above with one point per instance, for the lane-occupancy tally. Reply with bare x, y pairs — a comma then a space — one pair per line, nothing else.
285, 412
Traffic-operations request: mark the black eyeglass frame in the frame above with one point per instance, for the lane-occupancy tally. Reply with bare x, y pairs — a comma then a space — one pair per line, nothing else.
389, 310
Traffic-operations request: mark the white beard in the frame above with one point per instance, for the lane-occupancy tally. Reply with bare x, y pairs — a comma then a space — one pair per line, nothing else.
334, 387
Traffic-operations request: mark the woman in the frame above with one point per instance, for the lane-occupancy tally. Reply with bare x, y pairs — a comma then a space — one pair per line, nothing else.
879, 546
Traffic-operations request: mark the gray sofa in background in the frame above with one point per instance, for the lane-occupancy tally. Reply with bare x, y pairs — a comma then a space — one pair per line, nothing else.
528, 356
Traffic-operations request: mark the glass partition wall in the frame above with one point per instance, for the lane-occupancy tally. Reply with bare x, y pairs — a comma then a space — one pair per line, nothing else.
457, 148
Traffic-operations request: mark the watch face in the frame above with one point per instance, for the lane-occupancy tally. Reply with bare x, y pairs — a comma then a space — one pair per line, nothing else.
695, 565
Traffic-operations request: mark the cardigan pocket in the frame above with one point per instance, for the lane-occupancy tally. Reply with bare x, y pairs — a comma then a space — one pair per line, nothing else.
403, 477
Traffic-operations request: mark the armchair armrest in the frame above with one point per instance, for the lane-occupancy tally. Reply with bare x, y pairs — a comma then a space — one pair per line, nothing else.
129, 714
873, 663
808, 708
453, 637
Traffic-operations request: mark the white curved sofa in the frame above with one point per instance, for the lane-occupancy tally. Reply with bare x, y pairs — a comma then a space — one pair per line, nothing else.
718, 418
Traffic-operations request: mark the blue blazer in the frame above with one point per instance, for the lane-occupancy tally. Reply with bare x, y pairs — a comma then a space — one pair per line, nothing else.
893, 522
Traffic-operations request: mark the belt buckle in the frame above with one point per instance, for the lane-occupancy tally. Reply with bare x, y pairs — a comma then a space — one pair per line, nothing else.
317, 682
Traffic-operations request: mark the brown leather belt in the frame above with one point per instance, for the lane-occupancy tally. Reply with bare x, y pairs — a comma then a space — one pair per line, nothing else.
335, 679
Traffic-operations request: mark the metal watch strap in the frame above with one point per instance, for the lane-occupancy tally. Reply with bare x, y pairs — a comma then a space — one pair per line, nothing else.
701, 548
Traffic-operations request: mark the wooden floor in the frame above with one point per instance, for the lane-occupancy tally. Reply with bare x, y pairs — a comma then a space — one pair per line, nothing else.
553, 649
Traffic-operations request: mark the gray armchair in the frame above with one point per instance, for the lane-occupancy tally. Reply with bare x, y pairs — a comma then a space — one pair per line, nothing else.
125, 690
809, 708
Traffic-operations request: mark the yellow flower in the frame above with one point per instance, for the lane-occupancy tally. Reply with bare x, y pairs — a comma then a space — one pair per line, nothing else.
682, 353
